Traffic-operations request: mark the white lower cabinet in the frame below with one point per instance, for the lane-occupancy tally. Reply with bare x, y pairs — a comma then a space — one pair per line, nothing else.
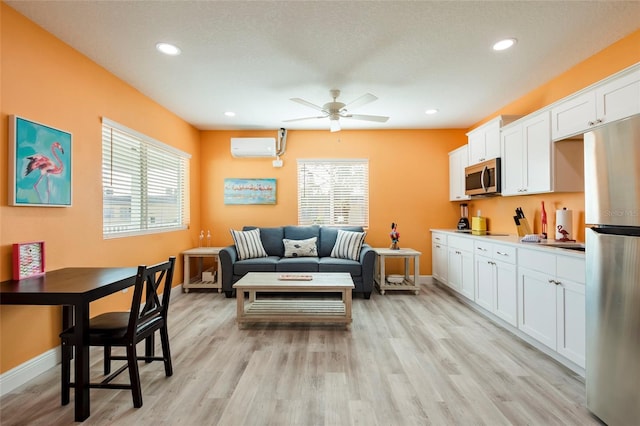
460, 266
485, 282
495, 280
570, 311
537, 305
439, 257
506, 305
551, 302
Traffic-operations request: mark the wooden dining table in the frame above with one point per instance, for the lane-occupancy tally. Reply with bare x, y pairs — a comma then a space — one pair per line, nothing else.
73, 289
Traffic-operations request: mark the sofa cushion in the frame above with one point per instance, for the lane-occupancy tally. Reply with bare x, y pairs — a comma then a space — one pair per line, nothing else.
348, 245
262, 264
248, 244
271, 239
300, 248
298, 264
332, 264
328, 235
301, 232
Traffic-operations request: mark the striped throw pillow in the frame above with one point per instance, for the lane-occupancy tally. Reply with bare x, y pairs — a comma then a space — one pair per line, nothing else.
348, 245
248, 244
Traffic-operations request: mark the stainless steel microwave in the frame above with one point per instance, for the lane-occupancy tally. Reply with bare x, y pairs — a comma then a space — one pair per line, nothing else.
483, 178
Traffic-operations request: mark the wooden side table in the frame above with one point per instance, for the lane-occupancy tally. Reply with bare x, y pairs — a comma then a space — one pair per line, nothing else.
407, 283
197, 281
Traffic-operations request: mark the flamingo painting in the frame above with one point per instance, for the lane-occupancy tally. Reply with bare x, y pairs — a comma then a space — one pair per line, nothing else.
47, 167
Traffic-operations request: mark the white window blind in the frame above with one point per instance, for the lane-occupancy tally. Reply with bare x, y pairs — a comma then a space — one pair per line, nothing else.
145, 183
333, 192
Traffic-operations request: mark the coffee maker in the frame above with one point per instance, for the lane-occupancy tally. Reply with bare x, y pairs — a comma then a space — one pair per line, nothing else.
463, 223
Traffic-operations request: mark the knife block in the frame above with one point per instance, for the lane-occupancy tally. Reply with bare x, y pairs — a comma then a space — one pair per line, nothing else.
524, 228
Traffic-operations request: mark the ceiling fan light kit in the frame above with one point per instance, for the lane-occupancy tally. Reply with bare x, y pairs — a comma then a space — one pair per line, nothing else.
335, 110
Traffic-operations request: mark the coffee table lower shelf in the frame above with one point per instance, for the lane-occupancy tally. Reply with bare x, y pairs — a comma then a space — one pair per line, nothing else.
323, 311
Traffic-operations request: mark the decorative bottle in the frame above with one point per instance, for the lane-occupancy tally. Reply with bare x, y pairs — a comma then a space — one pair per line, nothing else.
208, 238
201, 239
543, 219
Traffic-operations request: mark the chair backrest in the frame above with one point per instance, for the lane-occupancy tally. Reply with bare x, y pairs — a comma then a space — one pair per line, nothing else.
149, 280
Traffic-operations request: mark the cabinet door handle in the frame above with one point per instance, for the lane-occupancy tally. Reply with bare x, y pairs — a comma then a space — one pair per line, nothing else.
591, 123
481, 249
502, 254
437, 246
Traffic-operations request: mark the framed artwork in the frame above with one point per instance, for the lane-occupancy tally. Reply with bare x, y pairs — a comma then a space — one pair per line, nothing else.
28, 260
39, 164
249, 191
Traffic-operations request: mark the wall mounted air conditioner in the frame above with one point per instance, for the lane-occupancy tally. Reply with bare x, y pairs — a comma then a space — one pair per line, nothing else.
253, 147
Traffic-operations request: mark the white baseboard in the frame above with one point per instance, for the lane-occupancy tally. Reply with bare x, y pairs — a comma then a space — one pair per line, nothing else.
29, 370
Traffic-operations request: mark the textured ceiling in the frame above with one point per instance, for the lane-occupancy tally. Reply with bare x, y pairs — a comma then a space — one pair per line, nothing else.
251, 57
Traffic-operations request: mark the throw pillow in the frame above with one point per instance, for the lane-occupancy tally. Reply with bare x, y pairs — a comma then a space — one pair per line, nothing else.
248, 244
348, 245
300, 248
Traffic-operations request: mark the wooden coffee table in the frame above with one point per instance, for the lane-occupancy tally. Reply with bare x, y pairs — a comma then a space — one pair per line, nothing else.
300, 309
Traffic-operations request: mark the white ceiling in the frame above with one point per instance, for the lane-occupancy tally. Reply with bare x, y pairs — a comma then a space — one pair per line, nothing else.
251, 57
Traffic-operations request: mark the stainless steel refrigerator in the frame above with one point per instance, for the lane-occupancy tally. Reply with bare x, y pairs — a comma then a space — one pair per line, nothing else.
612, 208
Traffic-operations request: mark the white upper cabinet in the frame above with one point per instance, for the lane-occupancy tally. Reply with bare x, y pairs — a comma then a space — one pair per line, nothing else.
484, 141
458, 160
532, 164
614, 98
526, 156
619, 98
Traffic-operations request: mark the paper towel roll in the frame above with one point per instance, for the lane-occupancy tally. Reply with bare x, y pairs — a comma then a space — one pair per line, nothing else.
564, 224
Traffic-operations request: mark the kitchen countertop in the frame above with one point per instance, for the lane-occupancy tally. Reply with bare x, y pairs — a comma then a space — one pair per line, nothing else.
514, 240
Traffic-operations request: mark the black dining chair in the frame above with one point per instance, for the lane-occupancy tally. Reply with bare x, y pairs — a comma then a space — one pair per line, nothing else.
127, 329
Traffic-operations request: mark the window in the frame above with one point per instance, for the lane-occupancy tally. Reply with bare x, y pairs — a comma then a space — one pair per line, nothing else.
144, 184
333, 192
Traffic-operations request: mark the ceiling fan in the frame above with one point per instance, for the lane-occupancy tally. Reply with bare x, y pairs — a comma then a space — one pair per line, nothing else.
335, 110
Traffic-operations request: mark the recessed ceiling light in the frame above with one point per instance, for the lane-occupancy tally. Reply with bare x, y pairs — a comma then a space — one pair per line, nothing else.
230, 114
168, 49
431, 111
504, 44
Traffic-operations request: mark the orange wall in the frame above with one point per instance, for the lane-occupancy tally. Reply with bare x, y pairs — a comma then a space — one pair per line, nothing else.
45, 80
408, 182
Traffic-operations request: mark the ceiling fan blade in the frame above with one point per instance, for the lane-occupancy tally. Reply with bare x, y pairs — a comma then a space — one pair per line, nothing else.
307, 103
335, 125
303, 118
362, 100
378, 118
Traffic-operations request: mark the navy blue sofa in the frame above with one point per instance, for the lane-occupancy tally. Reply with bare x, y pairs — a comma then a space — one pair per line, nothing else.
361, 271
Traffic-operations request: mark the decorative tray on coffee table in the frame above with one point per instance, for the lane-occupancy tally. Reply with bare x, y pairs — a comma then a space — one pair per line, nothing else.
295, 277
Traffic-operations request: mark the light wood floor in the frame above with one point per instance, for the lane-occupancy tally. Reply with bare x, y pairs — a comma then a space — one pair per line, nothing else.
408, 360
